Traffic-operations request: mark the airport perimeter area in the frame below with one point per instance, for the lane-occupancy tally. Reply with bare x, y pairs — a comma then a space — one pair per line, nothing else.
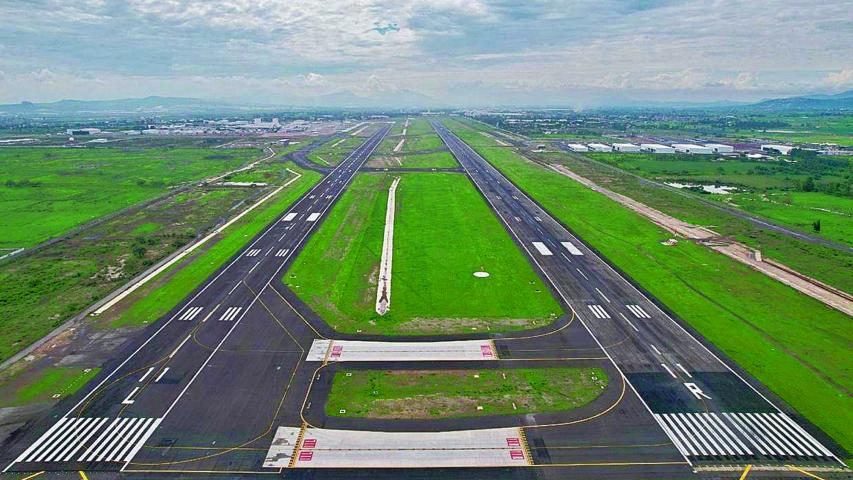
235, 381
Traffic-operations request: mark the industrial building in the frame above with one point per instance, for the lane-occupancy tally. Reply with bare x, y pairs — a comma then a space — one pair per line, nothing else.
626, 147
783, 149
578, 147
600, 147
720, 148
656, 148
691, 148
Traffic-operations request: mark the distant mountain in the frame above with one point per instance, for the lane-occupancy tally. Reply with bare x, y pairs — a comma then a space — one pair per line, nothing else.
121, 107
399, 98
840, 101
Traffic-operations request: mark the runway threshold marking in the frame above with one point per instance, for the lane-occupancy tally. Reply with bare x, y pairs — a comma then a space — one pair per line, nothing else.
542, 249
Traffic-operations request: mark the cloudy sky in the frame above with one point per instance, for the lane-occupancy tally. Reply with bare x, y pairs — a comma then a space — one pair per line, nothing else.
455, 52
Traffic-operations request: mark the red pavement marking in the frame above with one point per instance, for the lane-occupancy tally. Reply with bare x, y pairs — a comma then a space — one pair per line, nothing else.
516, 454
309, 443
513, 442
486, 350
306, 456
336, 350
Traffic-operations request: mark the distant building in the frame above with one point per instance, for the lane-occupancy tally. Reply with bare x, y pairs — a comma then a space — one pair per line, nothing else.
600, 147
578, 147
783, 149
656, 148
691, 148
720, 148
83, 131
626, 147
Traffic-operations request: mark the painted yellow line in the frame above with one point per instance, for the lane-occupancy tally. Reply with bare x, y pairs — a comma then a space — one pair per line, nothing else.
746, 472
33, 475
804, 472
83, 475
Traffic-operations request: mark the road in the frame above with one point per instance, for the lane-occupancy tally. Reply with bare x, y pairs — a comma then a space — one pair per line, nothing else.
233, 382
183, 369
707, 409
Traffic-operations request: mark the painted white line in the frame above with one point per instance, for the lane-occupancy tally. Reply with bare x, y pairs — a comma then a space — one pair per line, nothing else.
683, 370
747, 433
117, 438
162, 373
582, 274
719, 440
741, 447
698, 432
44, 438
253, 252
143, 377
141, 442
119, 453
598, 311
124, 438
253, 267
129, 400
688, 434
282, 252
92, 431
61, 439
671, 373
628, 321
313, 217
179, 346
571, 248
655, 349
383, 288
101, 441
805, 435
541, 248
602, 295
669, 433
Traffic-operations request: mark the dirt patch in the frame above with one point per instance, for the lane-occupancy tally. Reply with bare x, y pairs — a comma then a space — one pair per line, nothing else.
423, 406
453, 325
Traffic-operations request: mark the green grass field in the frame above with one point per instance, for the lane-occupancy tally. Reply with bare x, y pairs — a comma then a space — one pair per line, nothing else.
443, 233
44, 289
335, 150
51, 385
165, 291
794, 344
47, 191
801, 210
459, 393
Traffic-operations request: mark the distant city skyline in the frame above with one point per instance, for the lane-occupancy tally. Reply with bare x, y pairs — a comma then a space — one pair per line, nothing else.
425, 52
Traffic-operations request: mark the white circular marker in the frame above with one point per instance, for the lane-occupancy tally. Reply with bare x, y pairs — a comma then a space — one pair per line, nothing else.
481, 274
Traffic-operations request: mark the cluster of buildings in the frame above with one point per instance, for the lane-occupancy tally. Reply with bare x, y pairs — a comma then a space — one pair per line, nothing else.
707, 149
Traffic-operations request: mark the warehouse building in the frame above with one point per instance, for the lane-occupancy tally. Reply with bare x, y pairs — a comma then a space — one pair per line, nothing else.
783, 149
626, 147
656, 148
600, 147
691, 148
578, 147
720, 148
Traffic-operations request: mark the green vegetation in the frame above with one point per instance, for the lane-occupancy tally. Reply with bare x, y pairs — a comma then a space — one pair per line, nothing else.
335, 150
47, 191
61, 381
443, 233
421, 149
44, 289
792, 343
173, 285
800, 210
462, 393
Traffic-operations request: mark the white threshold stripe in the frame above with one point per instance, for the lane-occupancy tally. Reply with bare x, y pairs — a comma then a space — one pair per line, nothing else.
571, 248
794, 425
64, 437
785, 435
83, 441
689, 435
747, 433
83, 426
41, 439
677, 430
541, 248
290, 216
102, 441
725, 446
313, 217
713, 418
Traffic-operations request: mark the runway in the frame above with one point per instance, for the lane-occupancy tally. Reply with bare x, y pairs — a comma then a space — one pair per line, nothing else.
232, 383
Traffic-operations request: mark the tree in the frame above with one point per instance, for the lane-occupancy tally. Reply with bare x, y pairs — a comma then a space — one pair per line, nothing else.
816, 225
808, 185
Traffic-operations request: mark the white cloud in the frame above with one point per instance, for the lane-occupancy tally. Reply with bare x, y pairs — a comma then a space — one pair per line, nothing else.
840, 80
